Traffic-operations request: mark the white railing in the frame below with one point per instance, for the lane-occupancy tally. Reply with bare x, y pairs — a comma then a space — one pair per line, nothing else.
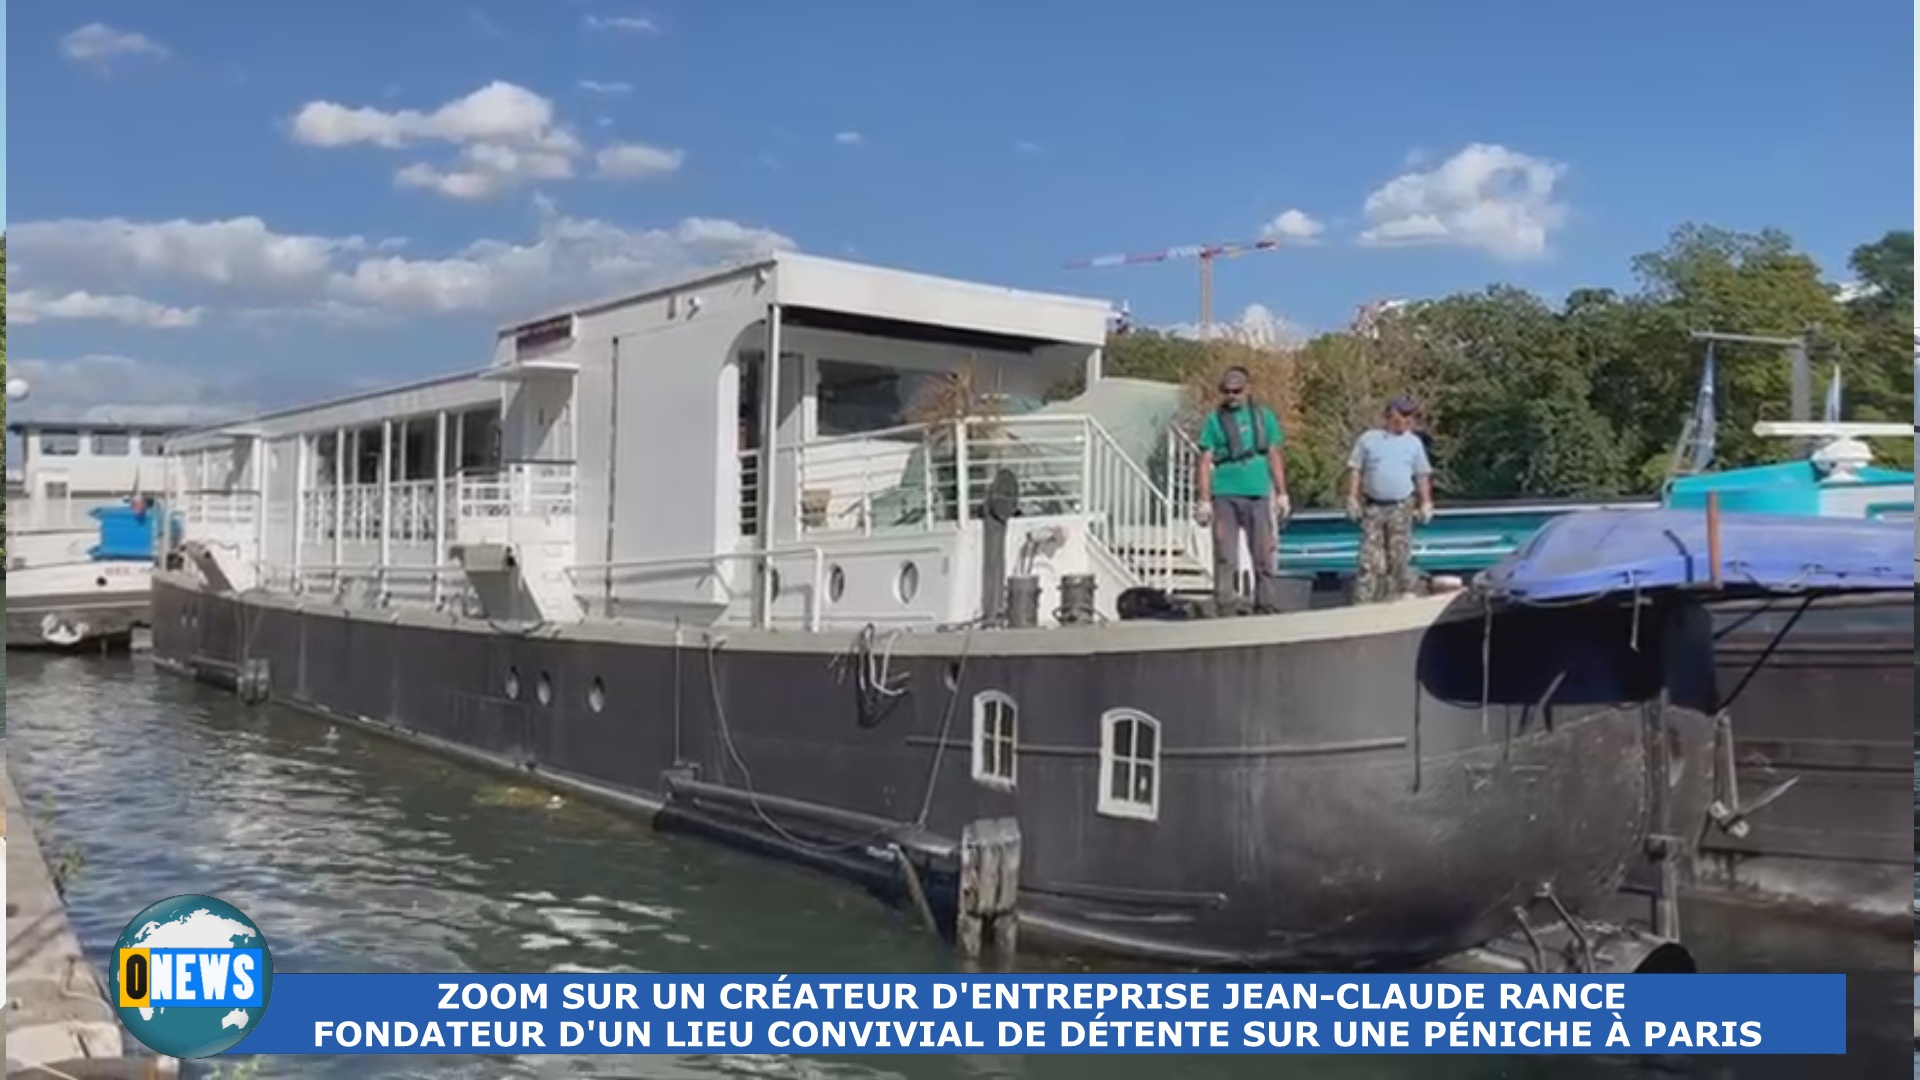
412, 503
219, 509
918, 477
526, 489
1181, 469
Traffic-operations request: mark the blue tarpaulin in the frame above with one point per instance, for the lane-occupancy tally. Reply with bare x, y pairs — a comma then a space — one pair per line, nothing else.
1594, 552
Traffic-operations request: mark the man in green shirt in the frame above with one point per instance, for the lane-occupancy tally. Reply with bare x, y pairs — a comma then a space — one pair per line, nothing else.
1243, 490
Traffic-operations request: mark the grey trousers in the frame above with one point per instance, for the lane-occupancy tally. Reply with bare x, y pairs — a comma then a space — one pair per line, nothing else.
1234, 515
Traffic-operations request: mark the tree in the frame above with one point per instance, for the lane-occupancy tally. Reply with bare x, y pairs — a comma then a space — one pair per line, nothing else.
1880, 316
1587, 399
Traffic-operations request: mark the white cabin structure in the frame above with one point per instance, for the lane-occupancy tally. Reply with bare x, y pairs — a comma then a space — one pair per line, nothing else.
643, 458
65, 470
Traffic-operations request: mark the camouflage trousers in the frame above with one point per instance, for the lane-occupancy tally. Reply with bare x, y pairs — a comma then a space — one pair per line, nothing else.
1386, 552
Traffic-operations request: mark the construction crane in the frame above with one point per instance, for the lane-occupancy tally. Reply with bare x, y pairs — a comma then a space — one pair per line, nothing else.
1205, 253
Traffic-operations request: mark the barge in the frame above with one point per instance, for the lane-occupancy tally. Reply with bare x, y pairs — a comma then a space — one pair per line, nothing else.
80, 535
691, 552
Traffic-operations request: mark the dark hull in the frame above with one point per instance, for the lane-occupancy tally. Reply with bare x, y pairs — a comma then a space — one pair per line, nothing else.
1324, 802
1829, 710
109, 623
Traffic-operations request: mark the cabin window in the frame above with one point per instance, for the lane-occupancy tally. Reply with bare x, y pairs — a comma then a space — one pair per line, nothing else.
60, 443
325, 451
112, 444
1130, 765
365, 466
416, 449
476, 441
995, 729
852, 399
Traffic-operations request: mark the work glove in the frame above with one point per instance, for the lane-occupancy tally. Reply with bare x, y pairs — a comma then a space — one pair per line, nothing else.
1203, 512
1353, 509
1282, 506
1426, 514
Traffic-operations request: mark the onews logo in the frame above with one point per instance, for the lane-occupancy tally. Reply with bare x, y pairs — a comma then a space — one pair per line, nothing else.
191, 976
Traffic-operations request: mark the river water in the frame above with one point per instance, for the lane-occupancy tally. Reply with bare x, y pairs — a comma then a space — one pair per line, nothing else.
358, 854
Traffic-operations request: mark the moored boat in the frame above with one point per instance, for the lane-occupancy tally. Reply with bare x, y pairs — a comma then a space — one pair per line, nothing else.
1814, 698
693, 551
80, 535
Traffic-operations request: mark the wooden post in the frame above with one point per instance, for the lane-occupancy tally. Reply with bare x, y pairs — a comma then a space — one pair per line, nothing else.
988, 907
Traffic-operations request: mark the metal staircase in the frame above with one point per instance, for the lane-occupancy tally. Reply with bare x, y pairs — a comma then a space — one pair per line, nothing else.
1148, 527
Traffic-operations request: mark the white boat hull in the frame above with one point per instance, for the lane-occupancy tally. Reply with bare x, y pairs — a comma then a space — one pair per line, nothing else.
77, 606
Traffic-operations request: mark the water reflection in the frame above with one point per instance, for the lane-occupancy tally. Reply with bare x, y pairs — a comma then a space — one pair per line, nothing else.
357, 854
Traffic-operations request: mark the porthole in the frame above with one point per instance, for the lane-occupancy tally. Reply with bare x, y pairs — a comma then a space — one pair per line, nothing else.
597, 696
909, 584
544, 689
773, 583
100, 582
836, 584
513, 683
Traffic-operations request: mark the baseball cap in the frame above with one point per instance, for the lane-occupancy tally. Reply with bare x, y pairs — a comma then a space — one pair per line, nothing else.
1233, 379
1404, 405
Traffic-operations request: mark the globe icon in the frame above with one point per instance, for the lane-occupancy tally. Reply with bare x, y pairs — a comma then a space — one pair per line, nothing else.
190, 922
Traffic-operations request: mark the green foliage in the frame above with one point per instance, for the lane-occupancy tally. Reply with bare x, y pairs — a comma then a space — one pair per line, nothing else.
1586, 400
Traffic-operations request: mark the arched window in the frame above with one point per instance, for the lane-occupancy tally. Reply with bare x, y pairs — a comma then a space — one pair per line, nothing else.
995, 731
1130, 765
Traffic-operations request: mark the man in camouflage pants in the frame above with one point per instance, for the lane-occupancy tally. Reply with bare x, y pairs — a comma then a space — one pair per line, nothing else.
1387, 467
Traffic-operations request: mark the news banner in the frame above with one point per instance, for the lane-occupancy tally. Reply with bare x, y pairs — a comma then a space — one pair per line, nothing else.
193, 977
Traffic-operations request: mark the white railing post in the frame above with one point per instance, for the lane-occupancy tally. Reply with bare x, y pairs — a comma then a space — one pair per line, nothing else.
339, 502
302, 513
927, 486
386, 501
961, 467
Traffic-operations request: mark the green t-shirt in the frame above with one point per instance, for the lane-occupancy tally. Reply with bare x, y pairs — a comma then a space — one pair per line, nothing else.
1250, 477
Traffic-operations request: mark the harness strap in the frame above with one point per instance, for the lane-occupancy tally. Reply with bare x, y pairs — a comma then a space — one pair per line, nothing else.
1236, 444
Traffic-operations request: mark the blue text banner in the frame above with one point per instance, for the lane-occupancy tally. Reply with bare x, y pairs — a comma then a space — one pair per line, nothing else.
1043, 1014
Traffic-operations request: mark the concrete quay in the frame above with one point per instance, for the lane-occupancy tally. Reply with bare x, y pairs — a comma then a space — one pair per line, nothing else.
59, 1023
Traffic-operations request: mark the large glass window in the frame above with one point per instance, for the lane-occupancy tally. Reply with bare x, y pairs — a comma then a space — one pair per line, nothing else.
856, 398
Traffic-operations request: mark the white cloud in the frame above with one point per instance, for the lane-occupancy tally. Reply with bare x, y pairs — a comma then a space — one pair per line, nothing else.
604, 89
625, 24
32, 306
569, 259
633, 161
269, 276
1293, 225
1257, 325
109, 254
507, 135
501, 113
849, 138
1487, 197
485, 170
99, 44
121, 389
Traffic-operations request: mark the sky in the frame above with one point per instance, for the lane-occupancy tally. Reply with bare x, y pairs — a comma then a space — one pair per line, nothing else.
232, 206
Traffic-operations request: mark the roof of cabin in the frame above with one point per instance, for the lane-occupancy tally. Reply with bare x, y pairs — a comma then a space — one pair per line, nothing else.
21, 427
724, 271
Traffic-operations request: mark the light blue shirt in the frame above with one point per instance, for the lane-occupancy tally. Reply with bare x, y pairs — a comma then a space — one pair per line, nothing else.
1388, 464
